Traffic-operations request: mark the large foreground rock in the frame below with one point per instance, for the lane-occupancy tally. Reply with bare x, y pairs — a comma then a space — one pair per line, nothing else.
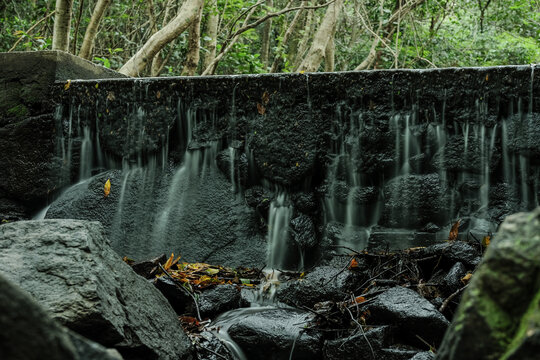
272, 333
411, 313
499, 314
29, 333
70, 269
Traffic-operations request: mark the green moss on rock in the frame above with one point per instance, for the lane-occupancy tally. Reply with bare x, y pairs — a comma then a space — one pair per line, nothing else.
18, 111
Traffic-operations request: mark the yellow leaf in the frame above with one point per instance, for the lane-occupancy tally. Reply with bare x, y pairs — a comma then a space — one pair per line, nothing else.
169, 262
67, 84
205, 278
107, 188
466, 278
97, 85
301, 72
302, 275
486, 241
212, 271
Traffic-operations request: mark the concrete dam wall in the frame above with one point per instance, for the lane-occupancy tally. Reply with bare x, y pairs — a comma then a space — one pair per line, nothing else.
279, 170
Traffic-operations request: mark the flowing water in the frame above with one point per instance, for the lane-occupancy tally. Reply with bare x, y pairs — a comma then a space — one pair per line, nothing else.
156, 193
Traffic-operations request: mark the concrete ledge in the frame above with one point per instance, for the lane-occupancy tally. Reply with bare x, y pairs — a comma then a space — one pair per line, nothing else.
25, 78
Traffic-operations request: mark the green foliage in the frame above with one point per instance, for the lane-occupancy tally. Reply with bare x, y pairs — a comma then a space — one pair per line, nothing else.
437, 33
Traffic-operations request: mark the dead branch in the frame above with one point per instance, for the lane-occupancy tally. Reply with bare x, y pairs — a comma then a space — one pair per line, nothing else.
448, 299
30, 29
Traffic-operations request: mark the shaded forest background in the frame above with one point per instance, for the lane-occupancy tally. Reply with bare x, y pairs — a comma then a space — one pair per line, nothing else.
248, 36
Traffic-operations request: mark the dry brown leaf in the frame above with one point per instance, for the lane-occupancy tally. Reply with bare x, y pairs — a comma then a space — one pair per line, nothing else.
486, 241
354, 263
265, 98
261, 109
454, 231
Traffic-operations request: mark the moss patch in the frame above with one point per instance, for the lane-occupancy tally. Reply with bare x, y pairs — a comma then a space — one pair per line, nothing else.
18, 111
529, 322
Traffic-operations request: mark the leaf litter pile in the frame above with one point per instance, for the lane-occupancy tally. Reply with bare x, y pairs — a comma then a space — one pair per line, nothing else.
420, 269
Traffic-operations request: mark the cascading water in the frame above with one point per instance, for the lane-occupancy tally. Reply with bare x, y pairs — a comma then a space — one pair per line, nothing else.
278, 231
169, 191
345, 203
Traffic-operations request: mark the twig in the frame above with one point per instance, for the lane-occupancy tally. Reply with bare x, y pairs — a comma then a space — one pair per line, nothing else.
431, 348
448, 299
184, 289
374, 277
28, 31
339, 272
211, 351
426, 258
363, 332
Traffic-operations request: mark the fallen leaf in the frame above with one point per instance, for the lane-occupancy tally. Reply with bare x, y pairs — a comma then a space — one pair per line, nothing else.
466, 278
261, 109
107, 188
212, 271
110, 96
169, 262
359, 299
189, 320
128, 260
67, 84
97, 85
454, 231
158, 94
354, 263
265, 98
486, 241
487, 77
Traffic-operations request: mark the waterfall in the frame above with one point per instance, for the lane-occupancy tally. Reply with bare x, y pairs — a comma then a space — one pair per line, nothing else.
86, 159
278, 231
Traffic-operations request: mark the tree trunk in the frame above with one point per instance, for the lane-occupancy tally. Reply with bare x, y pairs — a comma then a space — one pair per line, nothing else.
303, 44
158, 63
211, 69
315, 55
194, 45
276, 64
265, 47
172, 30
91, 30
329, 51
62, 25
211, 32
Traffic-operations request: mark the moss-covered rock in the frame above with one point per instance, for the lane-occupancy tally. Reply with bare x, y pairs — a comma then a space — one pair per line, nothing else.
499, 316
